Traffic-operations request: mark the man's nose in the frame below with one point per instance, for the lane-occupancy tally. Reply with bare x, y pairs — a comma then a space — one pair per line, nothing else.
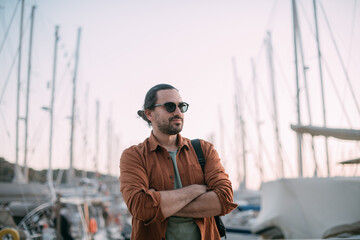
177, 110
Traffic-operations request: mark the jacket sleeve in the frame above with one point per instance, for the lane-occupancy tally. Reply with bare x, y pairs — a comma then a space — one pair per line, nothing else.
217, 179
143, 204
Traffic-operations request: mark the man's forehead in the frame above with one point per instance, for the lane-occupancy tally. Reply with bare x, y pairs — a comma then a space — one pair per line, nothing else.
168, 95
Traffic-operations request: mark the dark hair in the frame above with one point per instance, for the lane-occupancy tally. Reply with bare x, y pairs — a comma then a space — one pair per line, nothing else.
151, 98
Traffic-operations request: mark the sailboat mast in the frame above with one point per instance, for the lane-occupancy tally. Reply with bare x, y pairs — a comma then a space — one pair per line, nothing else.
260, 145
85, 131
50, 173
70, 175
97, 137
109, 143
304, 69
298, 135
275, 117
26, 172
242, 124
322, 87
222, 136
240, 121
17, 169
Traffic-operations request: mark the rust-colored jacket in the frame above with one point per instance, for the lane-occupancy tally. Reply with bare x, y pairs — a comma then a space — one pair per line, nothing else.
149, 166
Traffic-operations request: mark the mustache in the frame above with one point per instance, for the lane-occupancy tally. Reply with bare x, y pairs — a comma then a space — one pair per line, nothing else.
176, 117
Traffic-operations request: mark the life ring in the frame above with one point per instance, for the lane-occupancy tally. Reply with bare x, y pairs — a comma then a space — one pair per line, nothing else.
10, 231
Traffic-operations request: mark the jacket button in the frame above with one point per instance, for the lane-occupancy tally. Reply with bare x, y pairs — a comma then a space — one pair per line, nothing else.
171, 176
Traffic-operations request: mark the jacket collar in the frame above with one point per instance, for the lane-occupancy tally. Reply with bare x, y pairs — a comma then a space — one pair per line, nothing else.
154, 143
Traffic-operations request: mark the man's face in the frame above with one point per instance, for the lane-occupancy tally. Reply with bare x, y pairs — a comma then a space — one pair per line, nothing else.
162, 120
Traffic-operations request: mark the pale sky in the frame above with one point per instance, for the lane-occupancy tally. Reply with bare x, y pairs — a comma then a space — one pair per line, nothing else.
128, 46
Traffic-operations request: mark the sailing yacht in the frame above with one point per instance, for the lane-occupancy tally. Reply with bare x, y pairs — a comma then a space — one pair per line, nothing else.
304, 207
314, 207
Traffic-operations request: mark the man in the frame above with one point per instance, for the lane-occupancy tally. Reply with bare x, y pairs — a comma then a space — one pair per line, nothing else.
65, 224
162, 183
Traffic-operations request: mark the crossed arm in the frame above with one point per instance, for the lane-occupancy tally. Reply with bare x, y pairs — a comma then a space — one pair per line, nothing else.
191, 201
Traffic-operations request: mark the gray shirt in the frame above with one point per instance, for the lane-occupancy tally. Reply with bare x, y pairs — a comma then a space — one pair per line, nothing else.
180, 227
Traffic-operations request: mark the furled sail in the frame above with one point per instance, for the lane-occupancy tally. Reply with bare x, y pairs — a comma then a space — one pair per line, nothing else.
352, 161
340, 133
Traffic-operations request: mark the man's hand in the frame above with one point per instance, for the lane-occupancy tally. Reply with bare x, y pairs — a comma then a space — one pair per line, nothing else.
206, 205
174, 200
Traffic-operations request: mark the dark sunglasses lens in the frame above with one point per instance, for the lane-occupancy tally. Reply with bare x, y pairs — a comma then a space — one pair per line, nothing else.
183, 107
170, 107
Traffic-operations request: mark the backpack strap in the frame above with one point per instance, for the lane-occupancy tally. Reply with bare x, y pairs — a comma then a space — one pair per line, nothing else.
199, 153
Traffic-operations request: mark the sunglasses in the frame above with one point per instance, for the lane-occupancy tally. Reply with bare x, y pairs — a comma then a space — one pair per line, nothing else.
171, 107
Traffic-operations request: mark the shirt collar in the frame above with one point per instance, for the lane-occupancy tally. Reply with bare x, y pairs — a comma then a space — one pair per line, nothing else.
154, 143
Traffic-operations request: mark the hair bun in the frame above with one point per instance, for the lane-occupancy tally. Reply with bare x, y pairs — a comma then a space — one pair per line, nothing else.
142, 114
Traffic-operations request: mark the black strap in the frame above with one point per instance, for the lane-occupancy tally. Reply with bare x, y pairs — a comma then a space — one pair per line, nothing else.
199, 152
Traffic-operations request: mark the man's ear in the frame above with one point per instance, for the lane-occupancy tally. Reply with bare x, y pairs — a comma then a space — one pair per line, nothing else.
149, 114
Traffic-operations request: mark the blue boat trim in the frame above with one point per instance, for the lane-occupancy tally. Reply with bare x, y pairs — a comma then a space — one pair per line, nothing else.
238, 230
249, 207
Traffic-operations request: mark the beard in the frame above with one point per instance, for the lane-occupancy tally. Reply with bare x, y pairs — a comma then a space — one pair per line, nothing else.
170, 128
